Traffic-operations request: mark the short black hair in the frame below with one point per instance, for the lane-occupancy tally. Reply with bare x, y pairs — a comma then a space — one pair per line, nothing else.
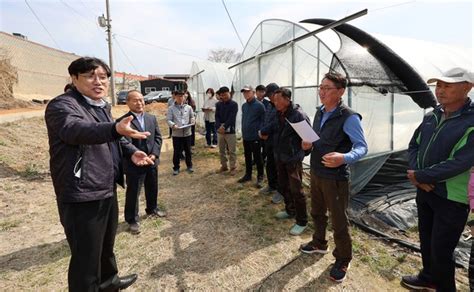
223, 89
285, 92
68, 87
87, 64
338, 79
260, 88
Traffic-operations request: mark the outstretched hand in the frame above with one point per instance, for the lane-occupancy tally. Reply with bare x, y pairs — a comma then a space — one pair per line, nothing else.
124, 129
141, 159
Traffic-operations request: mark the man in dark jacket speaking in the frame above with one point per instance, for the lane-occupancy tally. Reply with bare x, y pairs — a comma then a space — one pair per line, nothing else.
85, 147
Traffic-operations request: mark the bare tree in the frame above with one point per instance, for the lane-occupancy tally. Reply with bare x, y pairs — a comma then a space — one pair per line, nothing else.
223, 55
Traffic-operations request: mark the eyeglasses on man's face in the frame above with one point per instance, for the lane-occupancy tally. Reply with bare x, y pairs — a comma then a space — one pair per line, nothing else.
326, 88
91, 77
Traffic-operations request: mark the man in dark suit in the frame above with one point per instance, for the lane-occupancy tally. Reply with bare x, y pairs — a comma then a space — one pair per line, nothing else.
139, 176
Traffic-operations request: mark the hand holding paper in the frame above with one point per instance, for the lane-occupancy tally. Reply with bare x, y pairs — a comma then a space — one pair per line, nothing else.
304, 130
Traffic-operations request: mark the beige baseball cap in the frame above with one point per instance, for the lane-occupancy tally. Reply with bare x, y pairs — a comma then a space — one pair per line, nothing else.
454, 75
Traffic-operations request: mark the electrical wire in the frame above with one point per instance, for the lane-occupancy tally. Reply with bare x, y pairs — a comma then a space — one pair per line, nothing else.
233, 25
123, 52
159, 47
44, 27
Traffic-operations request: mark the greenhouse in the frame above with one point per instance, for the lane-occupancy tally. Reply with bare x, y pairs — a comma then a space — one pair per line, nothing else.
386, 85
204, 75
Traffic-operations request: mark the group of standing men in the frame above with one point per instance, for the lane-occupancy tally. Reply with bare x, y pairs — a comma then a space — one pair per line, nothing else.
89, 152
267, 135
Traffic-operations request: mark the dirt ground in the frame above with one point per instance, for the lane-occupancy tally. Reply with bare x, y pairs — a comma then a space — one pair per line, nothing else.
219, 235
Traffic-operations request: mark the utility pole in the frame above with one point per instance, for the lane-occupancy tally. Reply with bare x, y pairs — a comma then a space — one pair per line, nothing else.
105, 22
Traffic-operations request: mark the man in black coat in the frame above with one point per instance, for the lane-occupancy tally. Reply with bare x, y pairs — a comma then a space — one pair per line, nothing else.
137, 176
85, 147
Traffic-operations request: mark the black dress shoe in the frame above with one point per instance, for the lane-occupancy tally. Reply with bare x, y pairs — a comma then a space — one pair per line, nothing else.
245, 178
119, 283
126, 281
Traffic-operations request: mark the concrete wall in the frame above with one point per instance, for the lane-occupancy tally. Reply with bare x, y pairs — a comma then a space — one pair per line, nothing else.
42, 71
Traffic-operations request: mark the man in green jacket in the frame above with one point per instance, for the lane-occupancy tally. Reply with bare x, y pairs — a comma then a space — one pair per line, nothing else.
441, 153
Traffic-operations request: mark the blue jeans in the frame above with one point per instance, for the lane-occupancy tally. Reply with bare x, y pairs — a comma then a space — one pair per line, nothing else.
211, 129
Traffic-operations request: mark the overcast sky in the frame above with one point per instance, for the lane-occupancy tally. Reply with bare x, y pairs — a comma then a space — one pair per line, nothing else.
159, 37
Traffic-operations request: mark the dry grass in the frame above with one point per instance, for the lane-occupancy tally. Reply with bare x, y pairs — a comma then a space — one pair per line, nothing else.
219, 235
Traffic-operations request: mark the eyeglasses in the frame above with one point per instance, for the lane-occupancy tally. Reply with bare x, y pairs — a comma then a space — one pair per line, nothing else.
93, 77
327, 88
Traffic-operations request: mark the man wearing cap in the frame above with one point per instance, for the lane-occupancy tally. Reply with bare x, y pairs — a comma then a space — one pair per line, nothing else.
441, 153
270, 166
226, 114
253, 114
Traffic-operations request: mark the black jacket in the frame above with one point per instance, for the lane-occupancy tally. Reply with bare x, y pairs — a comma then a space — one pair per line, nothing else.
78, 140
150, 145
286, 142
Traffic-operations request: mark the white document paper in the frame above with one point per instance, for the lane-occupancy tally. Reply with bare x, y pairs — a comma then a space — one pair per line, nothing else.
185, 126
304, 130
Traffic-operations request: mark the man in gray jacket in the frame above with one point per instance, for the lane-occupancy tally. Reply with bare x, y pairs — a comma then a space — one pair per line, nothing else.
180, 118
85, 147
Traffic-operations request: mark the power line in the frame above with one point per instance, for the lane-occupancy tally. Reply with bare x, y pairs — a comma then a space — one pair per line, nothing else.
81, 15
233, 25
159, 47
39, 20
123, 52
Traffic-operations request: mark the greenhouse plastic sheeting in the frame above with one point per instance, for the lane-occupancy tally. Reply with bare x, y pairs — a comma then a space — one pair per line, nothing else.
387, 202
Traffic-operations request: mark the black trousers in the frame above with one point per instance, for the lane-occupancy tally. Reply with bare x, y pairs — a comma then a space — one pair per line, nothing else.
90, 229
471, 267
263, 150
135, 181
211, 130
270, 167
193, 135
181, 144
440, 224
291, 188
252, 153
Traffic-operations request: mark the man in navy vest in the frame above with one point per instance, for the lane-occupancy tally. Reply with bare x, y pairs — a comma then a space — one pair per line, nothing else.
341, 143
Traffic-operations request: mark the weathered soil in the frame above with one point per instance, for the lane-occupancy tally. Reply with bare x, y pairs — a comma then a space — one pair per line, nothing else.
219, 235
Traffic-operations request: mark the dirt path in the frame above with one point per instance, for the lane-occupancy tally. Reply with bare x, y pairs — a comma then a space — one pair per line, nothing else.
219, 235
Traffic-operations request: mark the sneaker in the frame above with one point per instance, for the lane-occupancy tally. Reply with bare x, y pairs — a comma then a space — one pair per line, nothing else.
213, 146
134, 228
245, 178
311, 248
415, 283
277, 198
266, 190
283, 215
259, 183
190, 170
176, 172
157, 213
297, 229
222, 169
339, 270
